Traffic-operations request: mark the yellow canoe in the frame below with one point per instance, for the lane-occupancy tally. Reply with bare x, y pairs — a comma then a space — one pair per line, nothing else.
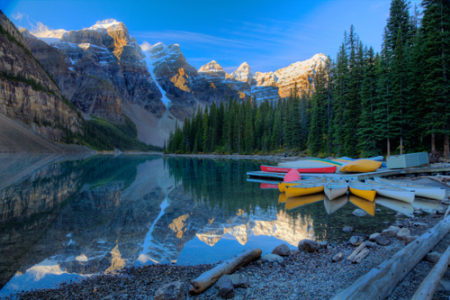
362, 190
365, 205
304, 189
282, 185
295, 202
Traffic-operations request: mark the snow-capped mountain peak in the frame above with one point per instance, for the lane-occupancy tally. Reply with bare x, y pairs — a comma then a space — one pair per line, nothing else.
243, 73
42, 32
105, 24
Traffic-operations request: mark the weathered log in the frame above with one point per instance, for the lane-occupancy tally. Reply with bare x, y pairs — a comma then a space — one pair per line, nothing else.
352, 256
429, 284
361, 255
208, 278
380, 281
447, 212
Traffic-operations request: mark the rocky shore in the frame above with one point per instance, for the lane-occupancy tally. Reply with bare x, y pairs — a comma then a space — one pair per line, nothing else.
314, 271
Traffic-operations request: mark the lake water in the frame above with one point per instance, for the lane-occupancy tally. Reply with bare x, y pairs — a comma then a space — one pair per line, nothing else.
68, 218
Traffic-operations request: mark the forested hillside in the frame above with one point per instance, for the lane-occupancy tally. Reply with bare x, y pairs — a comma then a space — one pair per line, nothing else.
364, 104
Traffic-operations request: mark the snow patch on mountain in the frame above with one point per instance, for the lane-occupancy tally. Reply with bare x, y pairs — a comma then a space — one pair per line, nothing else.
104, 24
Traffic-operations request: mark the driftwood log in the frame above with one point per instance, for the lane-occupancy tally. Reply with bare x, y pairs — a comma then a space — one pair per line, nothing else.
429, 284
380, 281
359, 254
208, 278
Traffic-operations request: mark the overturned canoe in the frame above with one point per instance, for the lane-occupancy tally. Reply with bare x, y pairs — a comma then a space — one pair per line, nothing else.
393, 192
367, 206
331, 206
296, 202
300, 170
304, 188
362, 190
419, 190
334, 190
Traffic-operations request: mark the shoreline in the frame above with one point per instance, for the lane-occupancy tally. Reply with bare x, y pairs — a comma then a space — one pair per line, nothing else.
301, 274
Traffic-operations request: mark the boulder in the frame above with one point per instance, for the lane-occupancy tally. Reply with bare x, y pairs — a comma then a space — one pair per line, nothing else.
347, 229
337, 257
370, 244
273, 258
323, 244
308, 245
374, 236
225, 287
382, 240
391, 231
403, 233
409, 239
359, 212
171, 291
282, 250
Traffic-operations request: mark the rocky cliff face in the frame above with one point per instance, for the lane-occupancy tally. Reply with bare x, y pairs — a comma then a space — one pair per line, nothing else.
27, 93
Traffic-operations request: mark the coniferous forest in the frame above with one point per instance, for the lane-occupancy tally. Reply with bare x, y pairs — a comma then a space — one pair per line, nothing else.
365, 103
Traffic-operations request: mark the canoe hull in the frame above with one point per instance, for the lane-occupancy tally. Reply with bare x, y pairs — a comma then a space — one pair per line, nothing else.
405, 196
365, 194
333, 193
295, 191
300, 170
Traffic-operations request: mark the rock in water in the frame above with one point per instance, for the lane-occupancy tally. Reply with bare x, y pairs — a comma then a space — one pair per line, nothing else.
282, 250
374, 236
359, 212
356, 240
382, 240
308, 245
171, 291
272, 258
347, 229
338, 257
225, 287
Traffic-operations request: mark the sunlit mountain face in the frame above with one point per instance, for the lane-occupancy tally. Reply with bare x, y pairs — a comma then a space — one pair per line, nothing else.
65, 218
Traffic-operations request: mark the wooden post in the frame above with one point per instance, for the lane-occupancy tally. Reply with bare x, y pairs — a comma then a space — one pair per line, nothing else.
379, 282
429, 284
208, 278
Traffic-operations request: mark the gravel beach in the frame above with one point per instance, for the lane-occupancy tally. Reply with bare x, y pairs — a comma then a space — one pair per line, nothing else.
301, 275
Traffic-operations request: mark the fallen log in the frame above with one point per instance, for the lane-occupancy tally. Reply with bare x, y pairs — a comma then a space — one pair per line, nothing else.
208, 278
360, 256
352, 256
380, 281
429, 284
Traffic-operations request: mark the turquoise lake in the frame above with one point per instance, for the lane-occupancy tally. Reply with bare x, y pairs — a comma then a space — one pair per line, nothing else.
67, 218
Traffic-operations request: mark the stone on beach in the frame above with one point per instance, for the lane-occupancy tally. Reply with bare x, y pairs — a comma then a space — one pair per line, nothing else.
403, 233
225, 287
273, 258
382, 240
359, 212
239, 280
356, 240
391, 231
337, 257
282, 250
171, 291
308, 245
374, 236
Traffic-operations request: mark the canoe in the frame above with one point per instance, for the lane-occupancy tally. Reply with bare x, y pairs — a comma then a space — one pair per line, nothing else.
419, 190
304, 188
399, 206
282, 185
266, 175
331, 206
334, 190
367, 206
309, 163
393, 192
268, 186
429, 206
296, 202
362, 190
300, 170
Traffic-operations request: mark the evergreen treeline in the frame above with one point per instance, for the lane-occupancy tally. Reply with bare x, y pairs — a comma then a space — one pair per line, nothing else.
364, 104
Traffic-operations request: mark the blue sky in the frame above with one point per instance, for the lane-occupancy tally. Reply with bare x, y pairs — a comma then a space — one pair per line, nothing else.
267, 34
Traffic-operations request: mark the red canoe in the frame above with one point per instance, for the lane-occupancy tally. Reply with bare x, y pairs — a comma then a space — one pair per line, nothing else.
300, 170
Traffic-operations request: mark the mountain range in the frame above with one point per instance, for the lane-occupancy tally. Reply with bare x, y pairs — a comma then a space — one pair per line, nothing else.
103, 72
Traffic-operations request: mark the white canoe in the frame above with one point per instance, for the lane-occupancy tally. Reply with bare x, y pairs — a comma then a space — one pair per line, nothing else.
429, 206
419, 190
390, 191
399, 206
334, 190
331, 206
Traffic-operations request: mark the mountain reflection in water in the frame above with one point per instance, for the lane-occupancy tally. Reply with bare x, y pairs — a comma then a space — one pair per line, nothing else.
66, 218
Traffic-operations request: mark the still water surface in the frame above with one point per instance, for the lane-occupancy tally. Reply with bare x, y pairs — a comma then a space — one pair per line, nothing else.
65, 219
